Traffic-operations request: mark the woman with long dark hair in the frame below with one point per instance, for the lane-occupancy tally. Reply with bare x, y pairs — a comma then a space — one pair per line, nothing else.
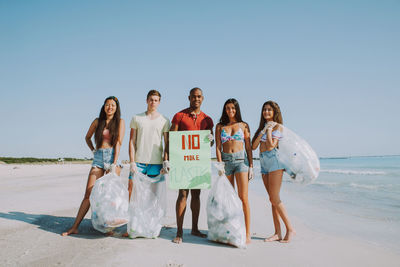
268, 134
108, 130
232, 137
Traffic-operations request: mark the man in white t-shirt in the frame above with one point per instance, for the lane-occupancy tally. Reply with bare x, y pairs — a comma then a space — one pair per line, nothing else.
146, 151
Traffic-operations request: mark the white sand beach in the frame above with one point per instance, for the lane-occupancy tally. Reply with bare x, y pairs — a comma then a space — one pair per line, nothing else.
38, 202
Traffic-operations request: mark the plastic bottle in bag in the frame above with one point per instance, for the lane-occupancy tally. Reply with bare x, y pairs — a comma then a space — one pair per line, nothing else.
147, 207
109, 201
225, 216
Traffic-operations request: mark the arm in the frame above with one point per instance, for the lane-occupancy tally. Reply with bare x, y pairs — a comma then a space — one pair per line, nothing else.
174, 127
132, 145
247, 144
273, 141
218, 142
90, 133
166, 144
212, 142
119, 141
256, 141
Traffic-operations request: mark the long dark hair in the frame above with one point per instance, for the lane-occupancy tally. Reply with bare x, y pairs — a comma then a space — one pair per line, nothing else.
224, 120
113, 125
276, 118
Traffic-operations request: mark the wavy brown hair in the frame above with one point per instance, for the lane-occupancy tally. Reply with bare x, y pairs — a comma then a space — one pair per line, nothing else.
113, 125
276, 118
224, 120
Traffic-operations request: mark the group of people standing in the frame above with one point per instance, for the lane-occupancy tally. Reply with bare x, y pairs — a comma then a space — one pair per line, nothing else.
148, 155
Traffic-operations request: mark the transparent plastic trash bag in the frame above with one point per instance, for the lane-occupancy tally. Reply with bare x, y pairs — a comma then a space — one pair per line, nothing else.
299, 159
147, 207
225, 216
109, 201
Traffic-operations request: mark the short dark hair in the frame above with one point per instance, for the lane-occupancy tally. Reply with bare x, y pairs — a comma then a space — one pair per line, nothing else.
195, 89
153, 92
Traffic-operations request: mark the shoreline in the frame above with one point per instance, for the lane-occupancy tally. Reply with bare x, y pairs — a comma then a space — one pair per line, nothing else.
39, 202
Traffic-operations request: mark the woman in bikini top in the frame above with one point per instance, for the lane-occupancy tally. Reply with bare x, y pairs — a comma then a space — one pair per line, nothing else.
267, 138
232, 140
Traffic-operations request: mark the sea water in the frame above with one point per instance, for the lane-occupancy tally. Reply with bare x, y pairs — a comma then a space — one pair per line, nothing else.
356, 196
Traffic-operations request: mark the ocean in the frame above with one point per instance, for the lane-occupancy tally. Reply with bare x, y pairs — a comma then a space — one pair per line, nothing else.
356, 196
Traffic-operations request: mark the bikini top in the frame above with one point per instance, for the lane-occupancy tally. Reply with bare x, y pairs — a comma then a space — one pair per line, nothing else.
238, 136
275, 134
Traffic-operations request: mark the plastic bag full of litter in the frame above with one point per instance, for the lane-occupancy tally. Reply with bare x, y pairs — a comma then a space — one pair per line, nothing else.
109, 201
225, 216
147, 207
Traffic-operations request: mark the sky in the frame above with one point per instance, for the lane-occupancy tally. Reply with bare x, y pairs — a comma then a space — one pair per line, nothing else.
332, 66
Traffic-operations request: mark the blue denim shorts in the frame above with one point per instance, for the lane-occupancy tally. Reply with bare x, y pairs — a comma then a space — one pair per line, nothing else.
151, 170
103, 158
235, 162
269, 161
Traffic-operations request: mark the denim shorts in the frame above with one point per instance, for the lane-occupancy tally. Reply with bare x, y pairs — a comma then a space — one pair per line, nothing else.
235, 162
151, 170
269, 161
103, 158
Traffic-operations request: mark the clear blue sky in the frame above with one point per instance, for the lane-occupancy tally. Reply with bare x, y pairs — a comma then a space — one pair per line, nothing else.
333, 66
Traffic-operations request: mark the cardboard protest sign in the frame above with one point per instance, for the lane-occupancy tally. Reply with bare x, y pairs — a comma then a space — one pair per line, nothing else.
190, 159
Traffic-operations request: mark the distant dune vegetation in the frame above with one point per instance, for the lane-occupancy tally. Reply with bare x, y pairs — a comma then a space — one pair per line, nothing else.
10, 160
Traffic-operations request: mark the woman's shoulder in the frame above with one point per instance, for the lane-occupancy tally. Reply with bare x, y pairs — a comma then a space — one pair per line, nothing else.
219, 126
278, 127
243, 125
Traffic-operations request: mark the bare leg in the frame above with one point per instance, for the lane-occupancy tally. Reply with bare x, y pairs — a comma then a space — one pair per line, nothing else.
275, 182
130, 187
195, 207
180, 214
154, 188
242, 180
94, 174
231, 179
278, 234
118, 170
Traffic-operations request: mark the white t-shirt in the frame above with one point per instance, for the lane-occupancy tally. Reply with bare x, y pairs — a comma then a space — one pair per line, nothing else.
149, 147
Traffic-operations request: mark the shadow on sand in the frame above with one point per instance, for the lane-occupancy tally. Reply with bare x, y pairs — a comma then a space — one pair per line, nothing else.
54, 224
169, 233
57, 225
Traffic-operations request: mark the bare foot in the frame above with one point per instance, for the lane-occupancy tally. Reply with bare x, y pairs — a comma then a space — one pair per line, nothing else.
177, 240
72, 231
288, 237
198, 233
111, 233
275, 237
248, 240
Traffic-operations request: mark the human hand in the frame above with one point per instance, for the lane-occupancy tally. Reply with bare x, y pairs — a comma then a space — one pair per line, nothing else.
132, 167
166, 166
270, 125
113, 168
94, 151
264, 129
220, 167
251, 174
210, 137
